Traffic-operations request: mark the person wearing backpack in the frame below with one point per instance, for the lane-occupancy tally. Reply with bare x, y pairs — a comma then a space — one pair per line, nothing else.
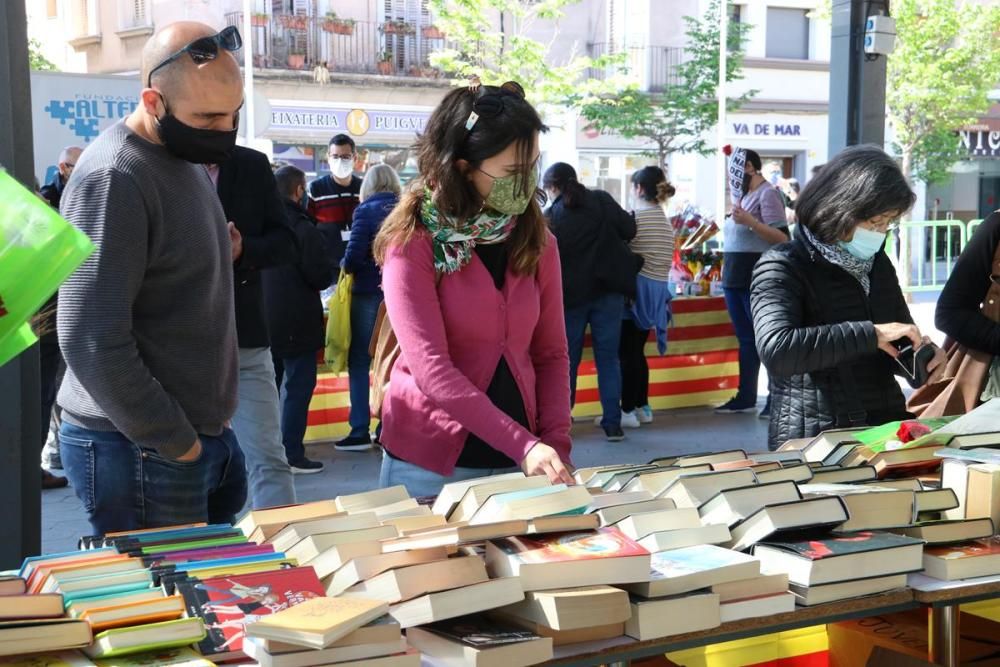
598, 272
474, 297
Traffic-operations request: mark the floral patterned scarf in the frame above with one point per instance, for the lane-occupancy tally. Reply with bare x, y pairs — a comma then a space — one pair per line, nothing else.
859, 268
453, 245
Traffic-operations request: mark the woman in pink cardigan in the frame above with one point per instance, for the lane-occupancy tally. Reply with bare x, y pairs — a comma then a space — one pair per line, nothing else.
473, 290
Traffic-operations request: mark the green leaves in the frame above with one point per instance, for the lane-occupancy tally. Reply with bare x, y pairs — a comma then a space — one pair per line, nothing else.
36, 60
479, 49
946, 61
680, 116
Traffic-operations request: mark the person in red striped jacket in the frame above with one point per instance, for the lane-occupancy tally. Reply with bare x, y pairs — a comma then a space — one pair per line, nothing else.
332, 198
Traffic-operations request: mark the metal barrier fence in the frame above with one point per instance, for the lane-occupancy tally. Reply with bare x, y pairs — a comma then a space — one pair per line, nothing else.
926, 252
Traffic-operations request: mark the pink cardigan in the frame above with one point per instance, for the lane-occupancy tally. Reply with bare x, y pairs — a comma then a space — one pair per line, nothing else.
452, 335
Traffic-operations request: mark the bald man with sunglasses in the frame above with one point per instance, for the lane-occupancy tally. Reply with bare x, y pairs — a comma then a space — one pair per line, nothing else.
147, 324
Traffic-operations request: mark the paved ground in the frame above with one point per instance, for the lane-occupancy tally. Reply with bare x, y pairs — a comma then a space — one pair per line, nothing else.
673, 432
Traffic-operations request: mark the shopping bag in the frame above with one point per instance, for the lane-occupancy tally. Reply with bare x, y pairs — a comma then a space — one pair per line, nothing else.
38, 251
338, 325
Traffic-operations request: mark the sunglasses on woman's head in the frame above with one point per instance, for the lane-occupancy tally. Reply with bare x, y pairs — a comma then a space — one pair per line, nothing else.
203, 49
490, 105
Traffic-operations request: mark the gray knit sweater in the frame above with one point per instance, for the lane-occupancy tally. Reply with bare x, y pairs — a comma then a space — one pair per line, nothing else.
147, 324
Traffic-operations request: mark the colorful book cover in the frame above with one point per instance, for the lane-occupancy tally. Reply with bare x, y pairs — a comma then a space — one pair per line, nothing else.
57, 659
479, 632
691, 560
152, 550
606, 542
227, 604
187, 533
31, 562
194, 567
170, 657
849, 543
184, 632
987, 546
512, 496
211, 553
118, 589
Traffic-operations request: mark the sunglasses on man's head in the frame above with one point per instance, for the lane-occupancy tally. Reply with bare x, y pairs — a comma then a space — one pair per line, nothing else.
490, 105
203, 49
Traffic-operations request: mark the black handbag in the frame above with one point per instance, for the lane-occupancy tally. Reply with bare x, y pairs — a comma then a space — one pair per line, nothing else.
618, 266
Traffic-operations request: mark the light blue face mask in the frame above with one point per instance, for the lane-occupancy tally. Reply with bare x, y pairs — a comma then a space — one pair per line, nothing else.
865, 243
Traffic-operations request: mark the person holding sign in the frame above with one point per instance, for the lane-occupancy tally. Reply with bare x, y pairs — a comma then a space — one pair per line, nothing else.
756, 223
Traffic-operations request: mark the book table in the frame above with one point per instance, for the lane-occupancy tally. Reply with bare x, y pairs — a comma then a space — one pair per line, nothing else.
621, 650
944, 598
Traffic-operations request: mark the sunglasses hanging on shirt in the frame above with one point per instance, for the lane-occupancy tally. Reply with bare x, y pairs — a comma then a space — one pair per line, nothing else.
203, 49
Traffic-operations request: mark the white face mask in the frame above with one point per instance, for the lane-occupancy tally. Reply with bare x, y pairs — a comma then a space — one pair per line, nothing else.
342, 168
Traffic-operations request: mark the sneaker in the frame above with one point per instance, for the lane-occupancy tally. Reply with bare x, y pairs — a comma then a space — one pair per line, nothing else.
765, 412
306, 467
354, 443
50, 481
731, 407
630, 419
614, 433
645, 414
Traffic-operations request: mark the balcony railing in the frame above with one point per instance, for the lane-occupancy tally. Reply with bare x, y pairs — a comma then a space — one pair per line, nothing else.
300, 42
654, 66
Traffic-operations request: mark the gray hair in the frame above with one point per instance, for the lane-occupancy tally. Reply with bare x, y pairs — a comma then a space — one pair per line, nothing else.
380, 178
65, 153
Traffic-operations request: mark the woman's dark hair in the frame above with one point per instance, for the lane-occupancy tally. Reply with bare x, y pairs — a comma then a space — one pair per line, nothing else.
754, 158
445, 140
859, 183
653, 184
562, 177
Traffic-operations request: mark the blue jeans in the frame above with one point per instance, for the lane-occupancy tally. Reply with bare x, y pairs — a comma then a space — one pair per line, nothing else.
421, 482
126, 487
364, 311
296, 379
604, 315
738, 305
258, 428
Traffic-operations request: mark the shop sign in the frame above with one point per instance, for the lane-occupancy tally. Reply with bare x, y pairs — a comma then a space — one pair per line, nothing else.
767, 129
305, 119
72, 110
981, 143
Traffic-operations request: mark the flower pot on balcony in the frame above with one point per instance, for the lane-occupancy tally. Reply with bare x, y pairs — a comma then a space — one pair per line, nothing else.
292, 21
431, 32
296, 60
385, 67
338, 27
398, 28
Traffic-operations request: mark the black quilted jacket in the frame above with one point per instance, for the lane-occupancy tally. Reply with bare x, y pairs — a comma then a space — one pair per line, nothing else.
802, 341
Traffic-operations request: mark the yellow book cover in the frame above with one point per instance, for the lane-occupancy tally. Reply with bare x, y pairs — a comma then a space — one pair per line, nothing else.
318, 622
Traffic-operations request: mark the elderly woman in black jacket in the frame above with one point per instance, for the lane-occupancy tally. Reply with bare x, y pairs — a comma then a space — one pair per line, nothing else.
827, 307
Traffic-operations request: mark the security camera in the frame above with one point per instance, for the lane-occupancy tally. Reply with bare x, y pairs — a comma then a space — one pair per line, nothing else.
880, 35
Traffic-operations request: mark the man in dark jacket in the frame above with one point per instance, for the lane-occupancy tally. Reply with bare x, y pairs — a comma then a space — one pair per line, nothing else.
333, 197
295, 318
250, 198
67, 161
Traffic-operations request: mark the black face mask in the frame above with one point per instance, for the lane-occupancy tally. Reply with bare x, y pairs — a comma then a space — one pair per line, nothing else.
194, 144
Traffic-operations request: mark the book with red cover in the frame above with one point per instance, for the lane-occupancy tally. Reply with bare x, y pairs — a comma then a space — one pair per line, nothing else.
227, 604
988, 546
826, 546
606, 542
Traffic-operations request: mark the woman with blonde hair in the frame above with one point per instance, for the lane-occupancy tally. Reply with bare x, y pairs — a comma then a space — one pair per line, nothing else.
473, 291
379, 195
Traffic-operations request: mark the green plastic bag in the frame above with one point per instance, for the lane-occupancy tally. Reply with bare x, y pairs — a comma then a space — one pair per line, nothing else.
338, 325
38, 251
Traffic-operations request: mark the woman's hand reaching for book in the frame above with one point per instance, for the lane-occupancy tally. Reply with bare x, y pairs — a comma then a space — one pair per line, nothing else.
544, 460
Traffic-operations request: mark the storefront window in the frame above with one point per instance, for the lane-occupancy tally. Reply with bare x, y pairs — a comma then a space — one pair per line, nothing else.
611, 172
312, 159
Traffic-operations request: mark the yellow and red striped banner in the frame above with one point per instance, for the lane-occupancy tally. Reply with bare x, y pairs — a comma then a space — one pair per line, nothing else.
701, 367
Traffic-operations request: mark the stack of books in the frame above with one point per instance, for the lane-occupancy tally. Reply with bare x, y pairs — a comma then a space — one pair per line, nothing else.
346, 631
34, 622
823, 568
